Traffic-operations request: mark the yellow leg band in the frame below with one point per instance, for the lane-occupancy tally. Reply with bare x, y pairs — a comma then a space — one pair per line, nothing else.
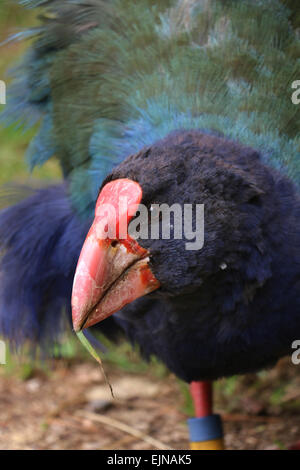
215, 444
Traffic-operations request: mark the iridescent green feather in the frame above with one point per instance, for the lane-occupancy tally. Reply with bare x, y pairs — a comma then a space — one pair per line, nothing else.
124, 73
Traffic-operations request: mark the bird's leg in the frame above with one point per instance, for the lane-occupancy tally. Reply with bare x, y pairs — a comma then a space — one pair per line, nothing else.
206, 428
202, 394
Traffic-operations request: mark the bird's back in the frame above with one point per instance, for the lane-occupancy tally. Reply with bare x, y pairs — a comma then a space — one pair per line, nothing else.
112, 77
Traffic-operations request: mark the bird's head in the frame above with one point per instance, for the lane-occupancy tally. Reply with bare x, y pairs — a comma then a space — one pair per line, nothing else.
135, 247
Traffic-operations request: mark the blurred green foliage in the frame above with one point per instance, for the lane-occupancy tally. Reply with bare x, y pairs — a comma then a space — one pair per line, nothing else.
13, 140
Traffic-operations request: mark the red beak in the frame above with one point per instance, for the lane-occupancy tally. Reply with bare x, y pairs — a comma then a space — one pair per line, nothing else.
113, 268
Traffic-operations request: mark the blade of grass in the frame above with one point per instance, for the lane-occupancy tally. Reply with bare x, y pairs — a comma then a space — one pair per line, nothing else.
87, 345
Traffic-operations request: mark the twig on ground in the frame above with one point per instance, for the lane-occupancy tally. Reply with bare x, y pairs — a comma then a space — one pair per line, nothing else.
125, 428
235, 417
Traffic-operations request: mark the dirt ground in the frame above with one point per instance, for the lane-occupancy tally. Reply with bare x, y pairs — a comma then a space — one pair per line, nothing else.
71, 408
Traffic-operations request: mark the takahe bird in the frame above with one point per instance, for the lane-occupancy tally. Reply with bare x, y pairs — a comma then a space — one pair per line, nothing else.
170, 102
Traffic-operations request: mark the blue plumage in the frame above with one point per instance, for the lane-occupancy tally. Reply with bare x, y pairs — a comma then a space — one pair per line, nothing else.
40, 239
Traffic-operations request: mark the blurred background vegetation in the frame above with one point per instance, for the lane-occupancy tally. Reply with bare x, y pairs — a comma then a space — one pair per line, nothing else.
14, 140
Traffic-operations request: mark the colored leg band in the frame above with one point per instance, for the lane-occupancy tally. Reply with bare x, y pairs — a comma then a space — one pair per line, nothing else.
206, 432
215, 444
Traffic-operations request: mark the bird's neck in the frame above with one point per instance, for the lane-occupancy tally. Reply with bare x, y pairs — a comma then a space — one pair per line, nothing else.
162, 116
